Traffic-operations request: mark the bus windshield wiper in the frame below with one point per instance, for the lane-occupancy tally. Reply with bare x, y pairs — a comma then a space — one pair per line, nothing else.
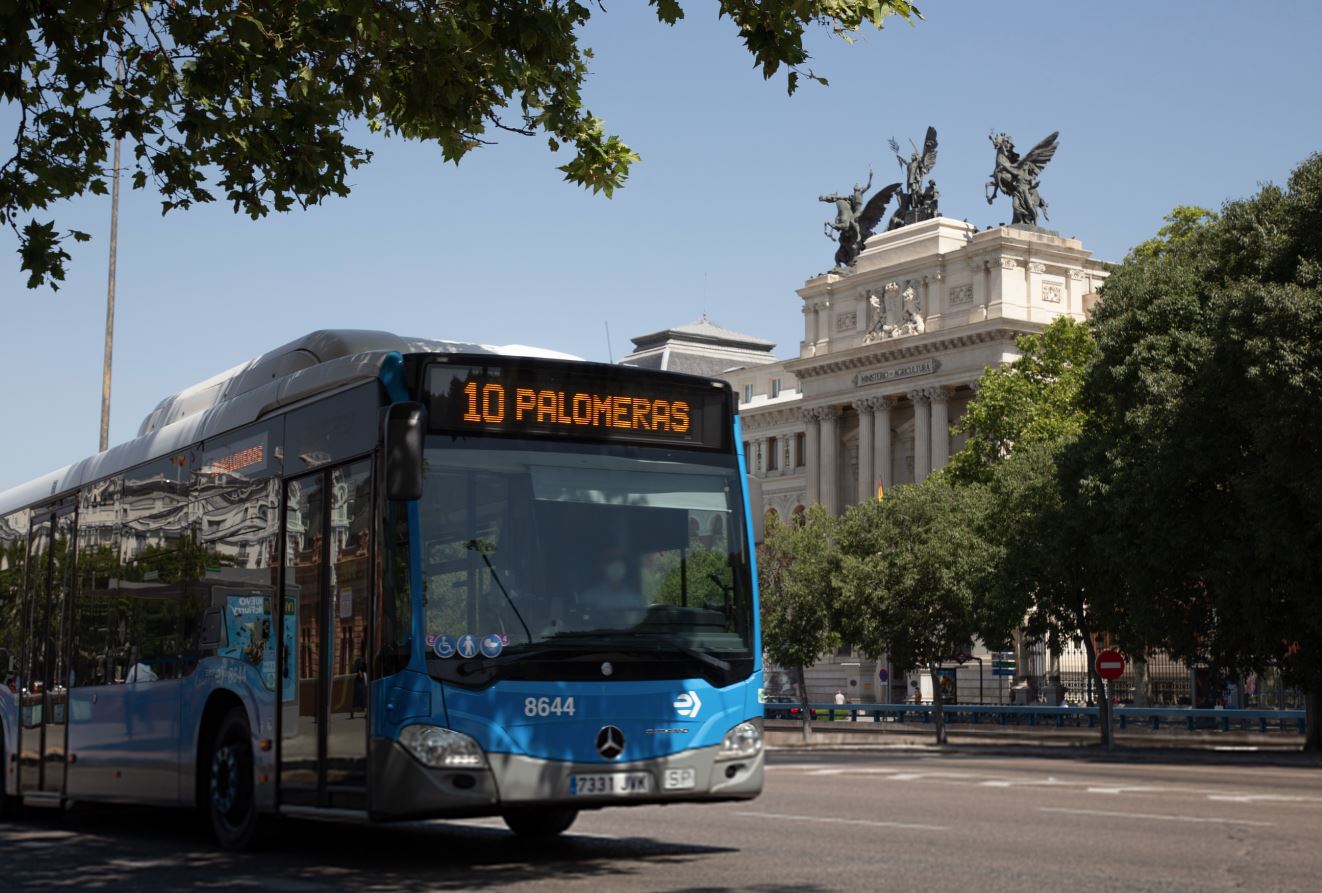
482, 547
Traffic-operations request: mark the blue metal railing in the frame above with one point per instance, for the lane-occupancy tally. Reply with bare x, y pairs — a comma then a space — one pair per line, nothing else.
1039, 714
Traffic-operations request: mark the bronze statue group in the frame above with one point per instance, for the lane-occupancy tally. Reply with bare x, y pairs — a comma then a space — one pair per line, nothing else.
1013, 176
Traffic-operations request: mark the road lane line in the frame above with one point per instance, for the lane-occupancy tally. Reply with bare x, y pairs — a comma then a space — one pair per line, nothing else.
1156, 816
1264, 798
826, 820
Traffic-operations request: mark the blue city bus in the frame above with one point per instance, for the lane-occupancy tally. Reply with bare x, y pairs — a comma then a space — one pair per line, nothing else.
376, 578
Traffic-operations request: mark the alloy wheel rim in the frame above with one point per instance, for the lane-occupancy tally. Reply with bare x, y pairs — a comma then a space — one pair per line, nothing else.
224, 781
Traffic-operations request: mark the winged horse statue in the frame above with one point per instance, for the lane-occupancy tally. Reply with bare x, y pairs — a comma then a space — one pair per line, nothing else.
1017, 177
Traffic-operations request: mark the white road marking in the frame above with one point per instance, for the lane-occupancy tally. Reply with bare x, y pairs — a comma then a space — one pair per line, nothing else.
826, 820
1263, 798
1092, 785
1125, 789
1202, 820
1025, 782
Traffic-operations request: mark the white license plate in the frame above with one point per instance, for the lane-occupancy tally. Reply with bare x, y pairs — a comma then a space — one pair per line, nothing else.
614, 784
680, 779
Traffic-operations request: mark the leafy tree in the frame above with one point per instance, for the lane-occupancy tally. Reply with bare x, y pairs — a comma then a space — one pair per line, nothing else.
1183, 224
1202, 446
911, 568
702, 580
1043, 529
1049, 580
796, 570
251, 102
1034, 399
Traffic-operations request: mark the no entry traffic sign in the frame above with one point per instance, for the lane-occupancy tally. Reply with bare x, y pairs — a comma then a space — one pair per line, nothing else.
1110, 664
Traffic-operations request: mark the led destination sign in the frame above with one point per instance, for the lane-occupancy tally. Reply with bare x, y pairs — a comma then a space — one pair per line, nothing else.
591, 403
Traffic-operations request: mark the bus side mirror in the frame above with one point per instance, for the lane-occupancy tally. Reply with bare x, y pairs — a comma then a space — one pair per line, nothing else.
757, 508
405, 425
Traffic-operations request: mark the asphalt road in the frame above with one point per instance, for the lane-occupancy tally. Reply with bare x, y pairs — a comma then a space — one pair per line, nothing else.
827, 821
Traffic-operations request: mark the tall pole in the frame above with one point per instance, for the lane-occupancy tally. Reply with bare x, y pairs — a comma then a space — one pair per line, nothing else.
110, 285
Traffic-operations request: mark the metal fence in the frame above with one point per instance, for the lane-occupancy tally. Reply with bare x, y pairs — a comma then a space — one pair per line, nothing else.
1044, 679
1288, 722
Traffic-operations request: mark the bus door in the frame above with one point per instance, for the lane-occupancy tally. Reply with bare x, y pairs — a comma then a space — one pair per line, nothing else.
44, 697
327, 580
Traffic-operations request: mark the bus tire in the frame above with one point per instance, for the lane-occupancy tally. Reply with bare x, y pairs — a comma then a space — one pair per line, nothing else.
230, 789
540, 821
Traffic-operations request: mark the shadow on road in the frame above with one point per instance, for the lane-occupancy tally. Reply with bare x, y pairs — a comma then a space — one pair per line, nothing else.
103, 848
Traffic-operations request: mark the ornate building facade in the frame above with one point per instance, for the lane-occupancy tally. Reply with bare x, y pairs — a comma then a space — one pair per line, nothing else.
891, 354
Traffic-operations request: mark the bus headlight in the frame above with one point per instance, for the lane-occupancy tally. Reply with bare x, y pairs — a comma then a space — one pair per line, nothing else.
442, 748
744, 740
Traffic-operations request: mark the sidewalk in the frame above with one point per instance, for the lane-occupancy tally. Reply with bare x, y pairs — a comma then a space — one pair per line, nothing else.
788, 735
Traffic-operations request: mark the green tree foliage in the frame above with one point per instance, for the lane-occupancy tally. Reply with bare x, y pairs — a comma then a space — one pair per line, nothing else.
911, 569
1026, 415
1202, 449
1034, 399
251, 102
703, 580
1183, 224
796, 569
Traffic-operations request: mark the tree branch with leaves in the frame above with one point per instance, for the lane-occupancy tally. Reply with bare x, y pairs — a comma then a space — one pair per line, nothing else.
251, 102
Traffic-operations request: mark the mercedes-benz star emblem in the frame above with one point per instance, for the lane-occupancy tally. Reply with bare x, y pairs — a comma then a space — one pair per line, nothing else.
610, 742
606, 668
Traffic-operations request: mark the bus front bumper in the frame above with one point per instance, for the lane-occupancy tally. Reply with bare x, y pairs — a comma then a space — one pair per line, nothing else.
403, 788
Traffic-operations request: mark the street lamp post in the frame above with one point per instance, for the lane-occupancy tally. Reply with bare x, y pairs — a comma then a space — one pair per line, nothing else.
110, 285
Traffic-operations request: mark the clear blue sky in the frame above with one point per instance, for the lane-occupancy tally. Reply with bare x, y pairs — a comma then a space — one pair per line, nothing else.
1157, 104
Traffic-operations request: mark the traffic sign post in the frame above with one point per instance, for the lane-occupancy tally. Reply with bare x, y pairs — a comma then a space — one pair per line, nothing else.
1110, 666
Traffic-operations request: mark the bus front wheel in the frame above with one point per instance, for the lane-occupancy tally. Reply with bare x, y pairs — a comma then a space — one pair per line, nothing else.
540, 821
230, 783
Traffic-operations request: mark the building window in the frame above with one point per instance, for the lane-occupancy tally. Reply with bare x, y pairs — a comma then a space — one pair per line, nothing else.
748, 393
772, 457
748, 457
800, 446
775, 388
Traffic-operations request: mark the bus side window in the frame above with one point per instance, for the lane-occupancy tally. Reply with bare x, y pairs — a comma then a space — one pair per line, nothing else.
161, 555
98, 570
13, 556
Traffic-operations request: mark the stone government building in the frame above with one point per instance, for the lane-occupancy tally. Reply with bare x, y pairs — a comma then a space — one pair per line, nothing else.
891, 354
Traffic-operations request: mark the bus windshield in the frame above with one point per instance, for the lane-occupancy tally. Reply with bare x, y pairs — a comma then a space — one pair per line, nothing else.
549, 556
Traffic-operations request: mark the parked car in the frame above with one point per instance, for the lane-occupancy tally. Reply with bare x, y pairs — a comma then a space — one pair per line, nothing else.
784, 707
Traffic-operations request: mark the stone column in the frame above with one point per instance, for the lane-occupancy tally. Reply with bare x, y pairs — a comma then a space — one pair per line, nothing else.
830, 453
881, 441
812, 458
922, 435
867, 482
940, 397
